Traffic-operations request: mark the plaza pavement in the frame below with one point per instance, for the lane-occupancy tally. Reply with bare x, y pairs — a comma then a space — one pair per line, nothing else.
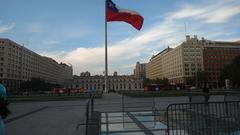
62, 117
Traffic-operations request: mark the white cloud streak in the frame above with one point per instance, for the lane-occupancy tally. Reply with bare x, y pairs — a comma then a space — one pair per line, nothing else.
213, 13
6, 28
221, 15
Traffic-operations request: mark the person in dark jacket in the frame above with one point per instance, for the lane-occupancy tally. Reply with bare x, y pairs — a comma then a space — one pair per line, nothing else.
4, 112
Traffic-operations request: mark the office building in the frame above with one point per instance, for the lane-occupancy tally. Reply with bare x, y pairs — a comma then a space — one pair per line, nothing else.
217, 54
19, 64
140, 70
192, 56
176, 64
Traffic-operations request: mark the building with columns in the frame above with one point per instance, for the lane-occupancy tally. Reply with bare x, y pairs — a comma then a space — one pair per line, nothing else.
116, 83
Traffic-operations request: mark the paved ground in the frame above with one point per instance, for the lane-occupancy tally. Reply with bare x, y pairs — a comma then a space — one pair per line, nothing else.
62, 117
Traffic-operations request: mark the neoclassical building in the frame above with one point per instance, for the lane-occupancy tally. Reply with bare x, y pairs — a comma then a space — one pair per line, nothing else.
116, 82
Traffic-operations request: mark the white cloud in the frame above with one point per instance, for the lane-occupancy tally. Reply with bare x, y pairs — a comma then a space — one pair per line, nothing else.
6, 28
187, 11
213, 13
221, 15
55, 55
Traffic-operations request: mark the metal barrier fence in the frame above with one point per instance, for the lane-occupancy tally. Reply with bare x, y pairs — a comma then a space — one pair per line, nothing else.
89, 115
234, 96
212, 118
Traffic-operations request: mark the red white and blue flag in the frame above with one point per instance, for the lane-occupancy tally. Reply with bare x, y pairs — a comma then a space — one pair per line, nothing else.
114, 13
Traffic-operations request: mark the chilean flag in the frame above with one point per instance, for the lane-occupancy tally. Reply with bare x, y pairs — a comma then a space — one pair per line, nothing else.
114, 13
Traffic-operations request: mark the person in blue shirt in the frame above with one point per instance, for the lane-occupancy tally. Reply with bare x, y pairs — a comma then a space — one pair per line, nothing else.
4, 112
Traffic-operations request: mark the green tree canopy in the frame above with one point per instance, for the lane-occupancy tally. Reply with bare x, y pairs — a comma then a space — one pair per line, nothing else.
198, 79
146, 81
37, 84
232, 72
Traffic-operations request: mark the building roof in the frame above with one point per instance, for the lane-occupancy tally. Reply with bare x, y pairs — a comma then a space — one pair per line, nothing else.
22, 46
162, 52
223, 44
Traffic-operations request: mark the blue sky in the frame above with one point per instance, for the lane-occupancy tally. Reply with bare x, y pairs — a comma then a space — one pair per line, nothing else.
72, 31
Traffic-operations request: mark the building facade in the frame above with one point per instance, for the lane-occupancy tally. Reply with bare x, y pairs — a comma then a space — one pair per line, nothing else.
19, 64
140, 70
176, 64
154, 68
217, 54
116, 83
192, 56
85, 74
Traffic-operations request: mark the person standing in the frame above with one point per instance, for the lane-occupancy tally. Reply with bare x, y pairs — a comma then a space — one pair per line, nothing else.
206, 91
4, 112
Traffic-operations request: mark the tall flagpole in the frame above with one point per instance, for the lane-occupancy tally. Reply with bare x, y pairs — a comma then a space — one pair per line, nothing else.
106, 56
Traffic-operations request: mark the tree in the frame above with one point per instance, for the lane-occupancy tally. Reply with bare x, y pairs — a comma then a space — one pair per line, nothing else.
37, 84
201, 78
191, 80
164, 81
198, 79
157, 81
232, 72
146, 81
